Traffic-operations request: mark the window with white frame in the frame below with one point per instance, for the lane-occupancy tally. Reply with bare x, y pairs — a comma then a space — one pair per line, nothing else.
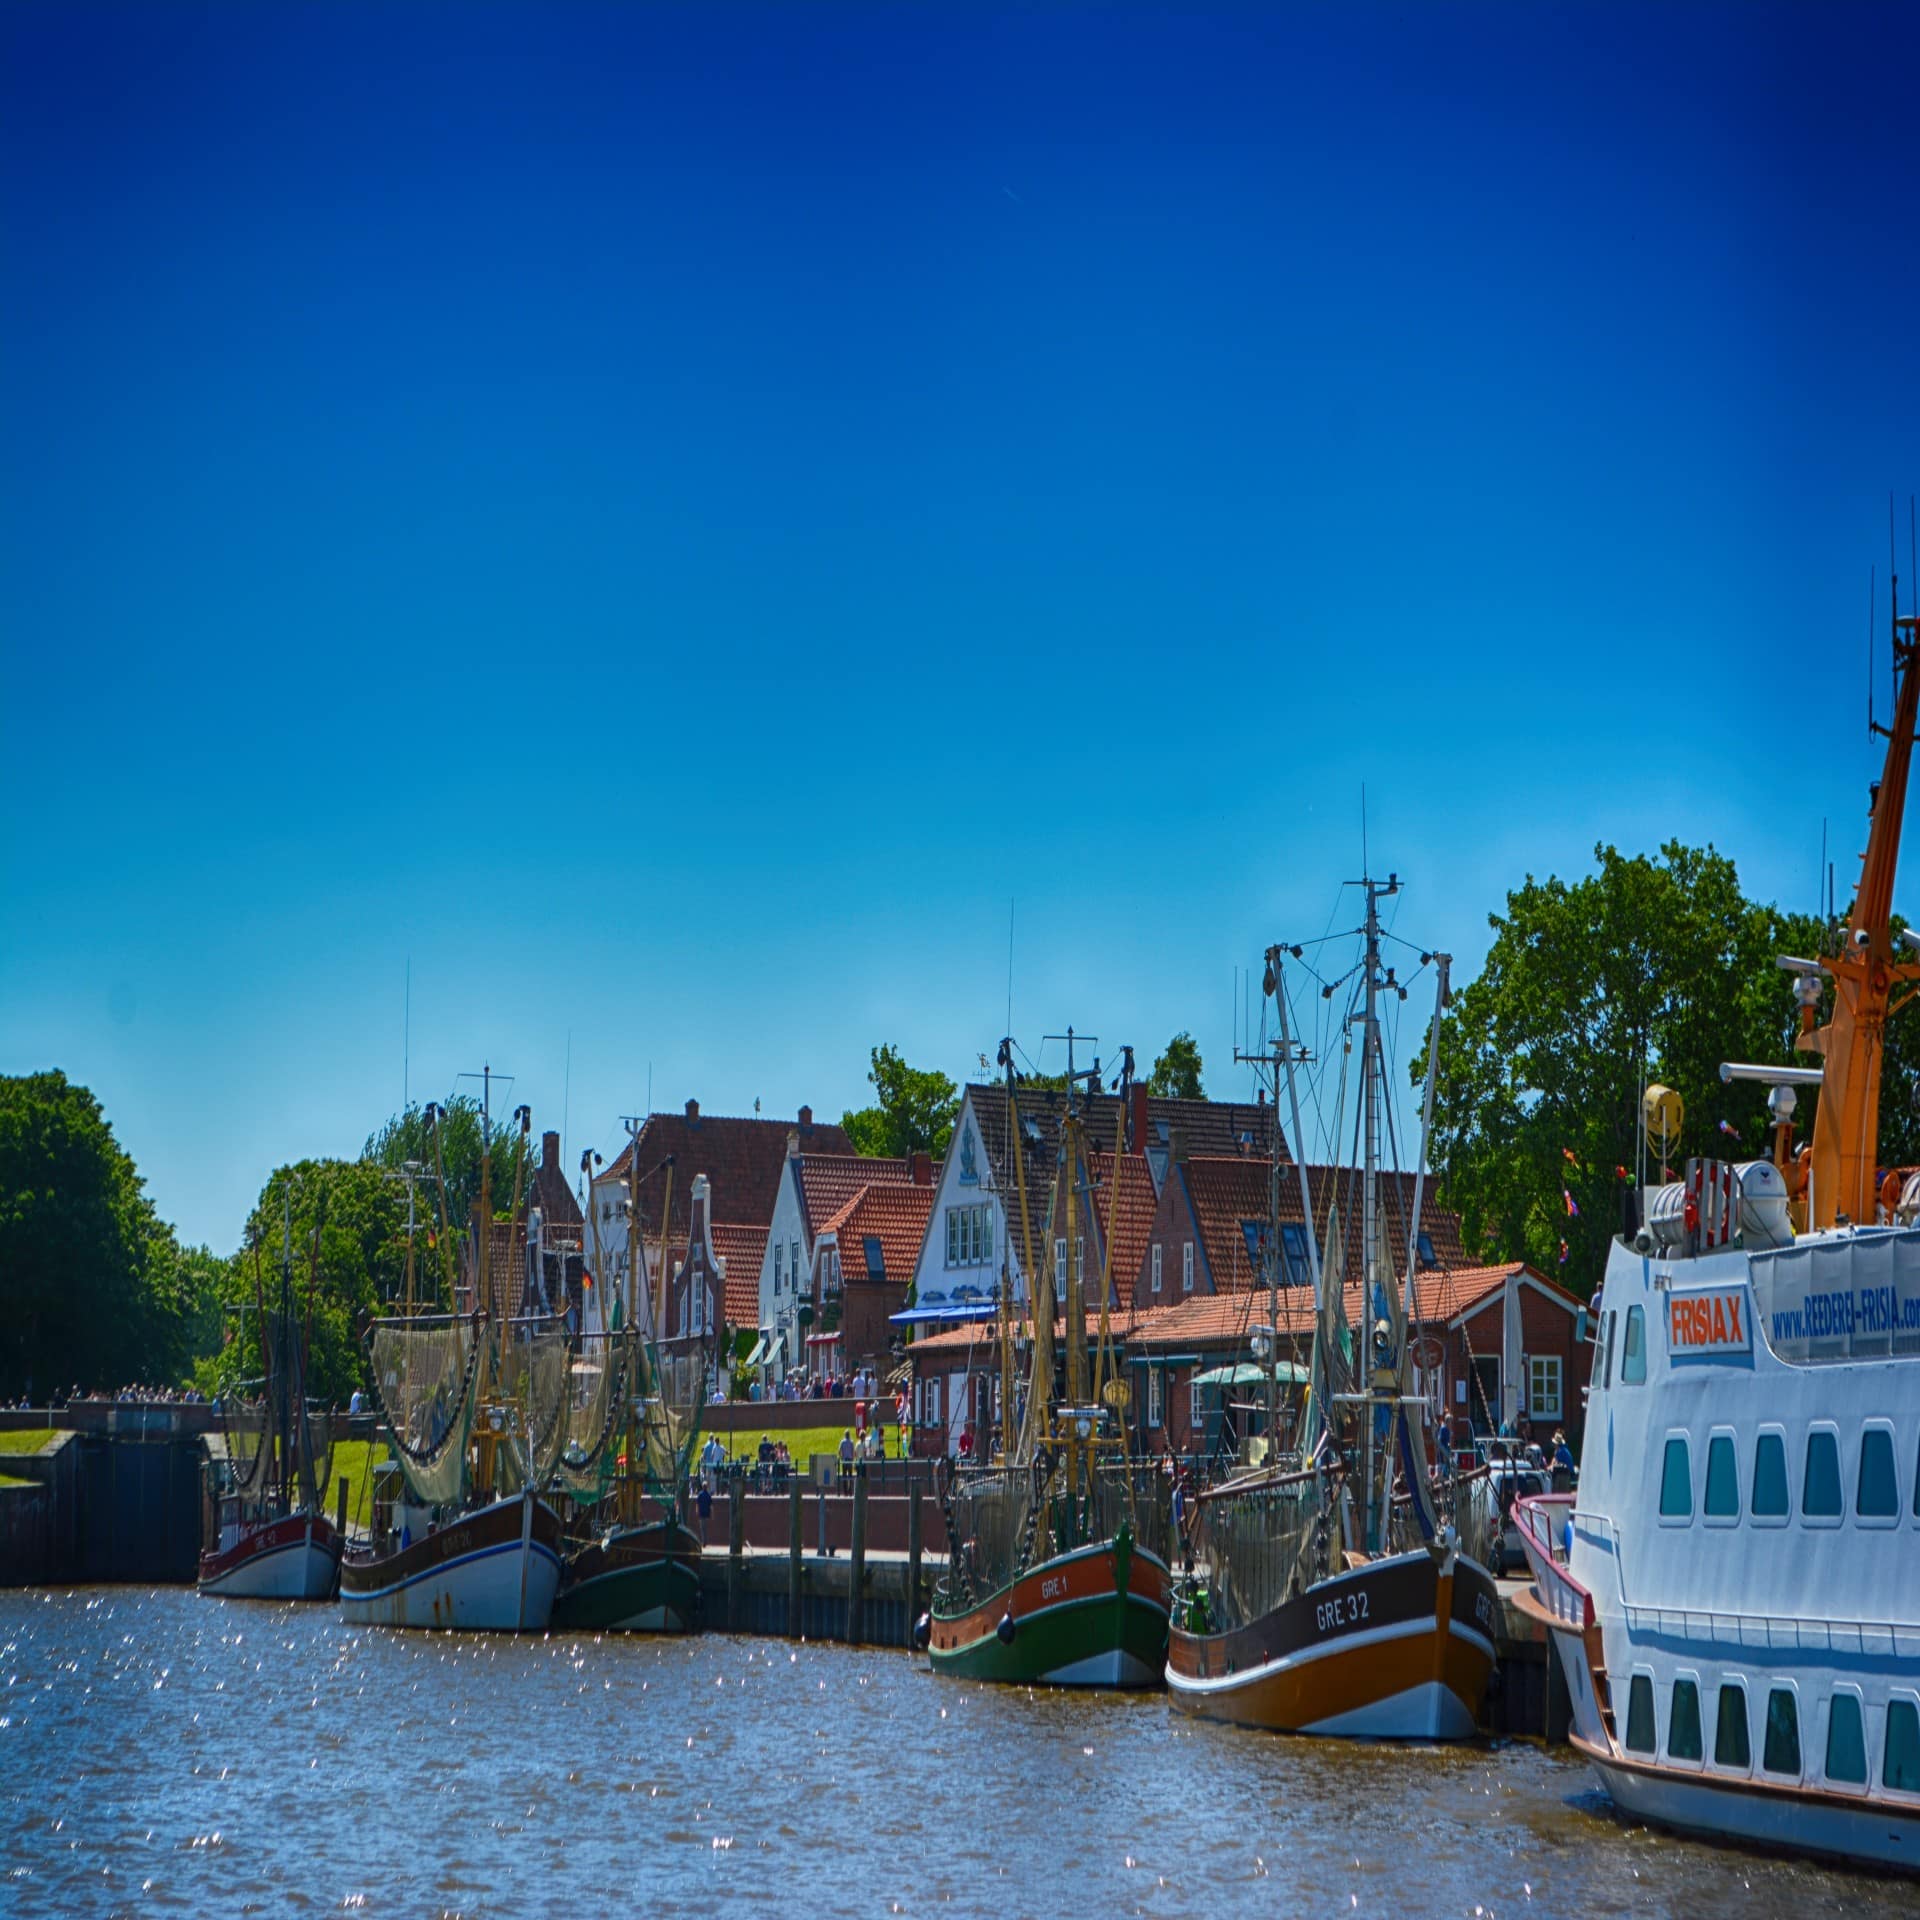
1156, 1395
970, 1236
793, 1262
1060, 1261
1186, 1266
1196, 1407
1156, 1267
1080, 1259
778, 1250
1543, 1385
930, 1402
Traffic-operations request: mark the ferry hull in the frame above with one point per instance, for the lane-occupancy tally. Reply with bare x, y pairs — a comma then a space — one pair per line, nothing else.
642, 1580
495, 1570
1791, 1819
1096, 1617
1397, 1649
296, 1557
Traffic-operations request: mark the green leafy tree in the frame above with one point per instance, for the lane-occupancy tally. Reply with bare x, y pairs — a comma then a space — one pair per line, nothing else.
914, 1111
1649, 969
1176, 1074
98, 1292
407, 1136
345, 1260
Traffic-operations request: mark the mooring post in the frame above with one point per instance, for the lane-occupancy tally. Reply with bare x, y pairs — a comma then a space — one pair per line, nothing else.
793, 1560
857, 1571
736, 1546
913, 1557
340, 1524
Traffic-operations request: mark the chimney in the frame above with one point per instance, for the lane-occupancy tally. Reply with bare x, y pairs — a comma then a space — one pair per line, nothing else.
806, 1117
693, 1112
920, 1169
550, 1150
1139, 1116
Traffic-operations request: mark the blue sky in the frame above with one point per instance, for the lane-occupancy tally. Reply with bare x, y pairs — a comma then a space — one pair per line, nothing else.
669, 521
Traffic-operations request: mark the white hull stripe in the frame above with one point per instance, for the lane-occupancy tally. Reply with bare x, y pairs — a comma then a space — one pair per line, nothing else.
362, 1595
1347, 1643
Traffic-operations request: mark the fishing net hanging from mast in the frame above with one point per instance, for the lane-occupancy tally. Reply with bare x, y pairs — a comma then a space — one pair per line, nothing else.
424, 1377
534, 1377
1260, 1547
248, 1431
600, 1380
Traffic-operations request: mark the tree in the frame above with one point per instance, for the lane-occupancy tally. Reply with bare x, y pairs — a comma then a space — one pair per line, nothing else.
915, 1111
1176, 1074
347, 1253
98, 1291
1650, 969
407, 1136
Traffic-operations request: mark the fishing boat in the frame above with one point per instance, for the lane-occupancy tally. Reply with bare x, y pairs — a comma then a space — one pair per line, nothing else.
1318, 1599
272, 1539
634, 1563
473, 1404
1731, 1590
1056, 1570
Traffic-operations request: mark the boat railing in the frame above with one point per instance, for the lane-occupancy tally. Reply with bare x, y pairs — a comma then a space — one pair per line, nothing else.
1828, 1633
1541, 1518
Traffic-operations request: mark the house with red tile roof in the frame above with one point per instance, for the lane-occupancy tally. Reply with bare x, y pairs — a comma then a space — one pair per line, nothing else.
744, 1160
999, 1151
1490, 1344
814, 1185
863, 1264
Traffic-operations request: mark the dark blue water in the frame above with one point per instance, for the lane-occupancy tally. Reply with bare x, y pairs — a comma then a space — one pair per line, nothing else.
161, 1753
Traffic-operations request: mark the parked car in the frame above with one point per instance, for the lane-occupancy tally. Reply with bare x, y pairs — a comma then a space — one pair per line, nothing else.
1512, 1476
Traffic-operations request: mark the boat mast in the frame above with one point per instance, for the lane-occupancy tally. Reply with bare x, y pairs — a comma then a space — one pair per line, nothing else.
282, 1412
1846, 1124
1006, 1262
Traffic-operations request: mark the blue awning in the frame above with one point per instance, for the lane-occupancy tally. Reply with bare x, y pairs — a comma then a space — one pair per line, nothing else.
921, 1316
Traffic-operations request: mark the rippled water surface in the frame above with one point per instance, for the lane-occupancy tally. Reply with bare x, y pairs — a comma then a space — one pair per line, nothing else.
160, 1752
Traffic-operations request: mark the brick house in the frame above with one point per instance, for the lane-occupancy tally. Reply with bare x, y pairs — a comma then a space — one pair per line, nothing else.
975, 1228
744, 1160
863, 1264
814, 1186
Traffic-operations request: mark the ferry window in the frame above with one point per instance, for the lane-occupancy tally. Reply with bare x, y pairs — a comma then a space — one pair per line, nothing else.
1781, 1753
1676, 1480
1770, 1475
1640, 1737
1633, 1356
1606, 1352
1900, 1767
1731, 1747
1877, 1496
1820, 1490
1723, 1479
1846, 1741
1683, 1722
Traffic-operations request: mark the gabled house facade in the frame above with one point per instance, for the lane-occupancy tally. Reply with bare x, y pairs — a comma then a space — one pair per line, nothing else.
976, 1228
744, 1160
814, 1186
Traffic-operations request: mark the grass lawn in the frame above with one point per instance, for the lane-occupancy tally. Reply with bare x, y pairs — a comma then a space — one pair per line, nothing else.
30, 1439
356, 1459
802, 1442
8, 1480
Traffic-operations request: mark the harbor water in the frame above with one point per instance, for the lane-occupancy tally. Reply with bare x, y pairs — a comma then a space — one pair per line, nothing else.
164, 1753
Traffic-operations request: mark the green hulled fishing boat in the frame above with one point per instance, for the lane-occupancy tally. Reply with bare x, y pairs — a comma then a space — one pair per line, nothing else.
1056, 1570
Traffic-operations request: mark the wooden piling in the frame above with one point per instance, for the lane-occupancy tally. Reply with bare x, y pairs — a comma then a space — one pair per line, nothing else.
340, 1506
857, 1571
913, 1556
794, 1559
736, 1547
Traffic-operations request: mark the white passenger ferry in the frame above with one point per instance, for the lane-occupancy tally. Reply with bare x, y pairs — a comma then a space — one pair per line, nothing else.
1734, 1591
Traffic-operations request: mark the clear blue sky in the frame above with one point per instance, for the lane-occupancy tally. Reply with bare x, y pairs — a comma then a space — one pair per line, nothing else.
671, 519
